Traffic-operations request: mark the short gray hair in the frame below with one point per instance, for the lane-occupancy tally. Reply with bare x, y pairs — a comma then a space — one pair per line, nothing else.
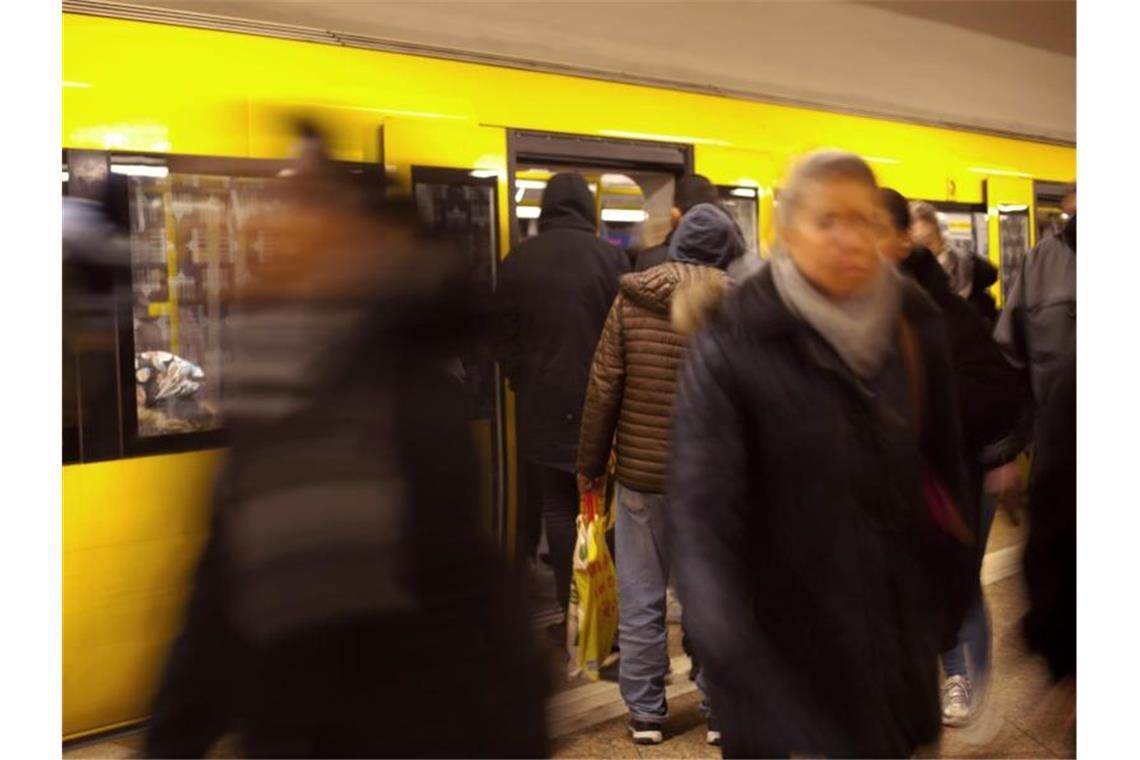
819, 166
921, 211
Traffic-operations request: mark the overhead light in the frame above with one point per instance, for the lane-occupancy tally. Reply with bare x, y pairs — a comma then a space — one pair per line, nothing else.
77, 84
530, 184
140, 170
667, 138
528, 212
1010, 208
999, 172
66, 176
744, 192
880, 160
484, 173
594, 188
623, 215
519, 194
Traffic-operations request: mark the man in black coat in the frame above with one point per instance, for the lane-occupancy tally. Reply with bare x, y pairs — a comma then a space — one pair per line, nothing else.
554, 292
688, 192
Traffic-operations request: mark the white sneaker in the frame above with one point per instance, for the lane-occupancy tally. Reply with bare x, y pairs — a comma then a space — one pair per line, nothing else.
645, 732
957, 694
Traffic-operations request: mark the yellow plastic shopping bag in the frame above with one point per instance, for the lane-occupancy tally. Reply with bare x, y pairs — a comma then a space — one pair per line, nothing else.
591, 621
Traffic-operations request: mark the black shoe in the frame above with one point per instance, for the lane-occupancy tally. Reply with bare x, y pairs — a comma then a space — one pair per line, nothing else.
645, 732
712, 734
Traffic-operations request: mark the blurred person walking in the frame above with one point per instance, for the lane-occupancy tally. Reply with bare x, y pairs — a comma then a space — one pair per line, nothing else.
817, 490
346, 577
989, 396
631, 390
970, 275
553, 294
1038, 331
688, 191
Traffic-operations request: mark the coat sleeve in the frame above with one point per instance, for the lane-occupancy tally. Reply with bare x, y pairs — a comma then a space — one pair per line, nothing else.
708, 511
603, 396
1010, 334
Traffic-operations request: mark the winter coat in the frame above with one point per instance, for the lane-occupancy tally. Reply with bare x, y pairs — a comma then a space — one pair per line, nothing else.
984, 275
989, 388
653, 256
554, 292
346, 575
1038, 326
1050, 560
818, 592
633, 378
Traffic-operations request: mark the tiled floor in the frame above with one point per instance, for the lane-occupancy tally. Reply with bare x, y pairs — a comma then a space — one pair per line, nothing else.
1016, 723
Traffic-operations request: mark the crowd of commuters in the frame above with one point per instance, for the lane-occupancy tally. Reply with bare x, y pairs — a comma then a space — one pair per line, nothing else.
811, 447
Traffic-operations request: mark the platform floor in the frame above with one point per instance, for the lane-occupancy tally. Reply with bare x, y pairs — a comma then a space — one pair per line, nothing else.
588, 719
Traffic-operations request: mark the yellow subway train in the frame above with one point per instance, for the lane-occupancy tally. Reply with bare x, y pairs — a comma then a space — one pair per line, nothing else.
191, 118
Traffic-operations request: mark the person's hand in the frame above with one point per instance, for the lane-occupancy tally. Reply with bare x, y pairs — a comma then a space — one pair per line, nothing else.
586, 484
1004, 484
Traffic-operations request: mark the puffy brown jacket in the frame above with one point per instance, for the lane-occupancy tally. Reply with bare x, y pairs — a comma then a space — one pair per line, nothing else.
633, 378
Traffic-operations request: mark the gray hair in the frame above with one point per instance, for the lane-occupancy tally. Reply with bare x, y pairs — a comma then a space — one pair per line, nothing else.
820, 166
921, 211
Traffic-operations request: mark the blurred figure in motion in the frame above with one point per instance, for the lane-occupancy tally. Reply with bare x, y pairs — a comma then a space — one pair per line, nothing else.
1038, 331
632, 385
989, 397
554, 291
970, 275
687, 192
346, 583
817, 490
96, 278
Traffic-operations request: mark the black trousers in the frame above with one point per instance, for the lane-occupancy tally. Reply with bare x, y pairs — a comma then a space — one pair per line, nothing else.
555, 494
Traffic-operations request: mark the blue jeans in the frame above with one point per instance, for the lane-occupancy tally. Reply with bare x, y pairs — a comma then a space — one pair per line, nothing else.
974, 635
642, 560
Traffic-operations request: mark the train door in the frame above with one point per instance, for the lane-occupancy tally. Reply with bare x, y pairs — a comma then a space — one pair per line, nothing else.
632, 182
742, 203
1010, 224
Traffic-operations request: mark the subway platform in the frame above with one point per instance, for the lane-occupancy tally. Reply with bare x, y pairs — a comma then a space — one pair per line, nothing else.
589, 720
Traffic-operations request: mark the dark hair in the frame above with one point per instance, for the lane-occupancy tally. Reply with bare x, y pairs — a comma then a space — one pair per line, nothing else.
897, 207
693, 189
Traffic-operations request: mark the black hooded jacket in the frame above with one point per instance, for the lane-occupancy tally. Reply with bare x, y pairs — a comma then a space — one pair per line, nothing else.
554, 292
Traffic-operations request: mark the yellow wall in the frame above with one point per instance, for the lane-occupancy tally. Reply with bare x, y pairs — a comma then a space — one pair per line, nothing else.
132, 528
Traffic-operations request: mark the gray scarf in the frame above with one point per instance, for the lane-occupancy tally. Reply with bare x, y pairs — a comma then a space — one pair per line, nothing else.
861, 328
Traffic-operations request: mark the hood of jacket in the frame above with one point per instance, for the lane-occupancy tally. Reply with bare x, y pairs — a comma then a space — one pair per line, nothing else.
567, 203
706, 235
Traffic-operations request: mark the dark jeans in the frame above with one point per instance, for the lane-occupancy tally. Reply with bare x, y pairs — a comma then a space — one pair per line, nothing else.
556, 494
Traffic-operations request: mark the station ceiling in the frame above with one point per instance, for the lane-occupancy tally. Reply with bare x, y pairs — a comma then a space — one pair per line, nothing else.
1000, 65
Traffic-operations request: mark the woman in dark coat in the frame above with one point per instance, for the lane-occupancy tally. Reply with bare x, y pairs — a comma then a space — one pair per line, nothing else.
819, 588
990, 392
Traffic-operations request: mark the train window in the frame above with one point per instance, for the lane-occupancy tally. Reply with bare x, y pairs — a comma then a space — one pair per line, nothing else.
464, 203
743, 204
1013, 237
193, 238
453, 201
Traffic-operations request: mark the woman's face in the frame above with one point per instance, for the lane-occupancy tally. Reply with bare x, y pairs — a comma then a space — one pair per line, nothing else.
834, 234
926, 235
